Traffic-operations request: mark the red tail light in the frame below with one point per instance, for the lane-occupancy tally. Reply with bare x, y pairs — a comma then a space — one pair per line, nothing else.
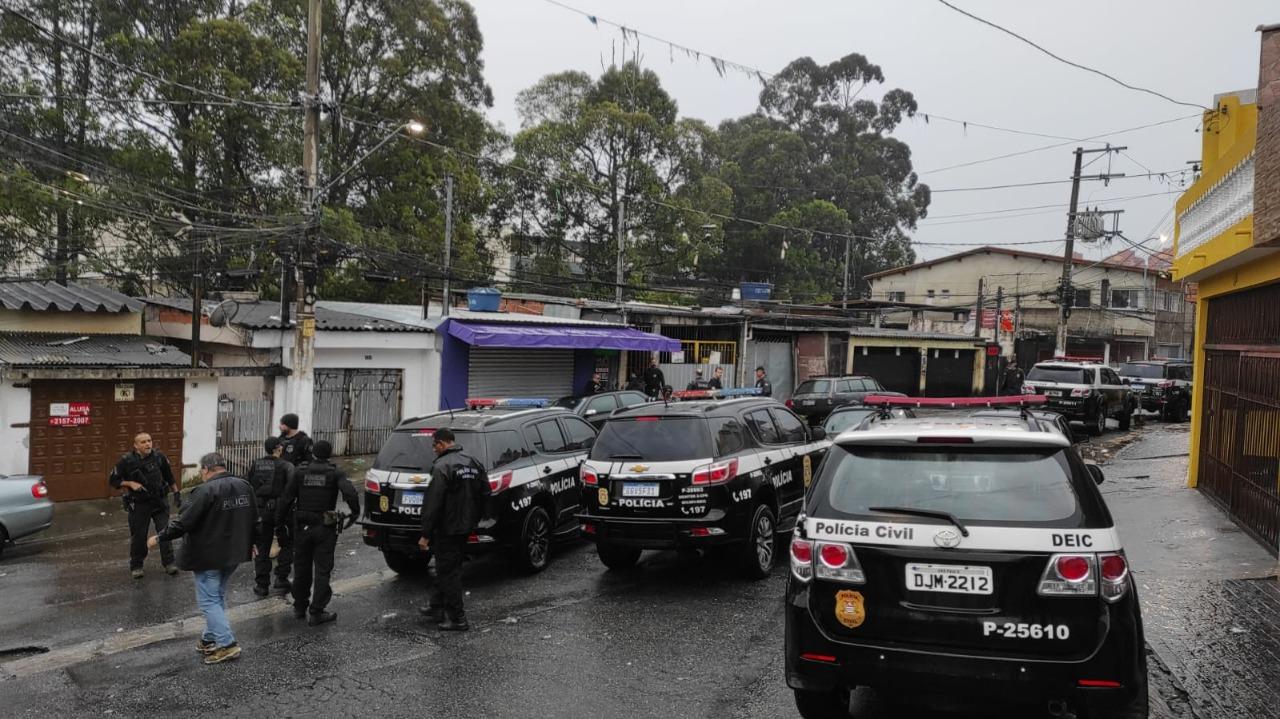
1107, 683
1070, 575
647, 419
838, 561
834, 555
801, 559
588, 477
1115, 575
1073, 569
790, 404
40, 490
824, 658
372, 485
718, 473
502, 483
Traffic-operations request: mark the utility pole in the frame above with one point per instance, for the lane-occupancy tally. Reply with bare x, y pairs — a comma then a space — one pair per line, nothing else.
197, 299
999, 303
977, 312
844, 294
301, 394
622, 234
448, 241
1068, 252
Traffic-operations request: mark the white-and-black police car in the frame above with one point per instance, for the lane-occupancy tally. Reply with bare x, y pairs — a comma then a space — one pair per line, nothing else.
960, 560
531, 454
709, 470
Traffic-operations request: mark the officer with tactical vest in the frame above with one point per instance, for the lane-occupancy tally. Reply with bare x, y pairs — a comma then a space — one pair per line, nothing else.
270, 477
451, 510
146, 478
297, 445
314, 490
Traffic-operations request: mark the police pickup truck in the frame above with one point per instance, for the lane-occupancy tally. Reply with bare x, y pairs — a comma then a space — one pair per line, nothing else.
973, 556
532, 456
710, 470
1082, 391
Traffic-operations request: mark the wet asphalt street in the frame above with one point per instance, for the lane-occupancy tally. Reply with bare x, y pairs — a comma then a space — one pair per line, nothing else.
680, 637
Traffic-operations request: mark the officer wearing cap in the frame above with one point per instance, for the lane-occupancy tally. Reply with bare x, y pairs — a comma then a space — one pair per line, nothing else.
314, 490
451, 510
270, 477
296, 443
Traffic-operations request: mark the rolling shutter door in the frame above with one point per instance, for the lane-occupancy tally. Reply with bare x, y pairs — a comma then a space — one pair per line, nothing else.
504, 372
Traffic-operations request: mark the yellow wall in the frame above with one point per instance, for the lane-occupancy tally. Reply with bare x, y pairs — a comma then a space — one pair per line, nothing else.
89, 323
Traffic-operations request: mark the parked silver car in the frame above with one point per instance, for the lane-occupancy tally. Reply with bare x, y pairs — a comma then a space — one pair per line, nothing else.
25, 507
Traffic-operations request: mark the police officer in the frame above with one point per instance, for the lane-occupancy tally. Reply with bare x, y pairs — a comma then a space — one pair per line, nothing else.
270, 477
593, 385
146, 478
698, 382
717, 379
1012, 383
315, 488
297, 445
654, 380
762, 383
451, 510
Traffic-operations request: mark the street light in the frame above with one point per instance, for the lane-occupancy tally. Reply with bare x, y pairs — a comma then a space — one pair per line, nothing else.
413, 127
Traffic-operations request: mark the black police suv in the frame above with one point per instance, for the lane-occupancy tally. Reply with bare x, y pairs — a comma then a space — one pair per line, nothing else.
1162, 386
1085, 392
532, 458
816, 397
597, 407
959, 560
700, 473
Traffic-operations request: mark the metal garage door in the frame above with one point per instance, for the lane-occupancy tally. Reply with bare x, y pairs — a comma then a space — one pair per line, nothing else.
898, 369
504, 372
774, 353
949, 373
75, 458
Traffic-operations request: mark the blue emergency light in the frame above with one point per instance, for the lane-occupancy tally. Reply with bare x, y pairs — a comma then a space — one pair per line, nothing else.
738, 392
526, 402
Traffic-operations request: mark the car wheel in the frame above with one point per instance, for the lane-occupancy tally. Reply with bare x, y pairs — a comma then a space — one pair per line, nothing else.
762, 544
532, 553
1098, 424
408, 564
830, 704
4, 540
618, 558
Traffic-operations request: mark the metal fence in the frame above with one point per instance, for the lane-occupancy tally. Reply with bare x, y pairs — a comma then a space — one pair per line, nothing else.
356, 409
243, 424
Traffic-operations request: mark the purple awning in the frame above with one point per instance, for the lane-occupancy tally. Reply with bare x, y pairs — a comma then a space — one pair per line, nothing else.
481, 334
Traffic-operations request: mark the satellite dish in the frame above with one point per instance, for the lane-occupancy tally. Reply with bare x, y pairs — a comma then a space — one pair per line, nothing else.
223, 313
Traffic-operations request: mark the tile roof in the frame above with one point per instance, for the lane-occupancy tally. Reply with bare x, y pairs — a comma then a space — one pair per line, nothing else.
265, 315
41, 349
44, 296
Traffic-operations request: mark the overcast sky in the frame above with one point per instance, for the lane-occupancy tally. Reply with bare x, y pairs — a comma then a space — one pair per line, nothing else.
956, 68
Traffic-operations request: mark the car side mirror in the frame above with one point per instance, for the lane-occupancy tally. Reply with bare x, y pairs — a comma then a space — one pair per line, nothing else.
817, 433
591, 413
1096, 472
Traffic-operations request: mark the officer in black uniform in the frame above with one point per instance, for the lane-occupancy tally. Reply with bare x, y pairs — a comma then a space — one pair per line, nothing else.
270, 477
315, 488
763, 384
698, 382
654, 380
717, 379
146, 478
451, 510
297, 445
593, 385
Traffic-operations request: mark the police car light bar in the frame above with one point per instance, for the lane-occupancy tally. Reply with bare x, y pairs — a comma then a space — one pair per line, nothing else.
481, 402
716, 393
1026, 400
738, 392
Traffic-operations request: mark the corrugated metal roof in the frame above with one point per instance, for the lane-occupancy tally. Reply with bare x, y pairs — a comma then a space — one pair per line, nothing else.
265, 315
44, 296
40, 349
890, 333
517, 318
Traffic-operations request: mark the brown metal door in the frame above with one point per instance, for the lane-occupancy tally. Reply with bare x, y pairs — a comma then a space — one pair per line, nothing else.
75, 460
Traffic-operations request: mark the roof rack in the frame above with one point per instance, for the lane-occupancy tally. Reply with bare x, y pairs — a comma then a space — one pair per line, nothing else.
886, 402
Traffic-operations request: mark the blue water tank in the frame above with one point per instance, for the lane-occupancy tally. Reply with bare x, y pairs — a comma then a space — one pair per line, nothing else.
756, 290
484, 299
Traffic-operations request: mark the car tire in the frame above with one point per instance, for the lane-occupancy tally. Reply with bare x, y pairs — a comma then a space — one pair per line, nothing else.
532, 552
617, 558
761, 549
1098, 424
830, 704
4, 540
406, 564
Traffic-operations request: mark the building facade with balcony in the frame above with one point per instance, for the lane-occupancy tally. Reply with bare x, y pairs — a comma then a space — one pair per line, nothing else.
1227, 241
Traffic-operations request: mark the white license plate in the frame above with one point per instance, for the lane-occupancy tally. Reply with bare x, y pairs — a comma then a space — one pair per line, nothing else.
411, 499
807, 402
950, 578
1053, 393
640, 489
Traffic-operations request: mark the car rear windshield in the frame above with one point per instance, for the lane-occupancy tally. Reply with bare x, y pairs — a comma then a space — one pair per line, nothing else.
840, 421
1067, 375
814, 386
1146, 371
654, 439
975, 485
410, 450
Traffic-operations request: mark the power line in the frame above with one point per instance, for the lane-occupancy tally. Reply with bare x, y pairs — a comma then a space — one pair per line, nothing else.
1018, 211
1051, 182
1076, 65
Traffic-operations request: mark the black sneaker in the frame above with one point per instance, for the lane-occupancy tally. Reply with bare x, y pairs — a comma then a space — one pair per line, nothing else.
432, 614
282, 584
260, 590
454, 625
318, 618
299, 612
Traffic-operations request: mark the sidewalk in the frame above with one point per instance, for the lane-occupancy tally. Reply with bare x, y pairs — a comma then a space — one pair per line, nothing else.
1210, 597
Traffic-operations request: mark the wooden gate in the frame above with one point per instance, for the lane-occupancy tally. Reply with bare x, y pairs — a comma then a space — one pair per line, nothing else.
356, 409
1239, 464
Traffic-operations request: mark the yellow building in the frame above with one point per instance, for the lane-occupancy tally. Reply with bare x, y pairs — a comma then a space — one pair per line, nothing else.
1235, 431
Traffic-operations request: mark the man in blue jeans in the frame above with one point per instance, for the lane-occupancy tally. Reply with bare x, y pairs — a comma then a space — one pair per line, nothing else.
218, 524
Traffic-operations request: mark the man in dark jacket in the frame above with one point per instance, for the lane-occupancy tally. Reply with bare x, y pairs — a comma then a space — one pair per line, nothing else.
296, 443
315, 489
146, 478
270, 477
451, 510
762, 383
593, 385
654, 380
218, 522
698, 382
717, 379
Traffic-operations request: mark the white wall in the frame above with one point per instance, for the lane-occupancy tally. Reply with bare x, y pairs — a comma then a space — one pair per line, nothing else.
15, 408
199, 420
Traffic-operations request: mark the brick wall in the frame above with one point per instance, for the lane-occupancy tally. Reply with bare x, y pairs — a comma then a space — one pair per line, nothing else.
1266, 188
